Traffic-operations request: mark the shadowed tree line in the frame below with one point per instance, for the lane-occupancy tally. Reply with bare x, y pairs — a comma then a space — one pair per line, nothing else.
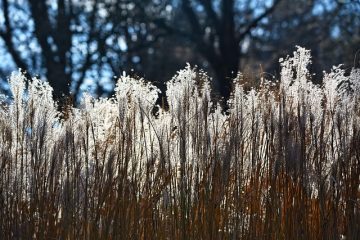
70, 43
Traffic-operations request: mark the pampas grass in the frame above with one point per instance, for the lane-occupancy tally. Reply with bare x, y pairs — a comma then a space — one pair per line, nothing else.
282, 163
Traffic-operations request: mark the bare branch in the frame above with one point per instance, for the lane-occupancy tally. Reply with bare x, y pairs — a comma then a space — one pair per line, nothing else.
214, 19
7, 36
256, 21
193, 19
43, 29
88, 62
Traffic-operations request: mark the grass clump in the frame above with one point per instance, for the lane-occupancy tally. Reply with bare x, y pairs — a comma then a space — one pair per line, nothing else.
282, 163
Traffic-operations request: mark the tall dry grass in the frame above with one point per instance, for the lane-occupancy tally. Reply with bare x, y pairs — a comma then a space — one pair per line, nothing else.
282, 163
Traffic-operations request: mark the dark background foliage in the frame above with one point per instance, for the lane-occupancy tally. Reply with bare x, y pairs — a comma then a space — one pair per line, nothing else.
83, 45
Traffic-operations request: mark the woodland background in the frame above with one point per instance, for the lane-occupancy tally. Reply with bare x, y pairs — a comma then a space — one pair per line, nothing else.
84, 45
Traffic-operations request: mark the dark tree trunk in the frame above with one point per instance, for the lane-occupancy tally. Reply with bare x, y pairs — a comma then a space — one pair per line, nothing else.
221, 46
59, 80
229, 49
226, 70
49, 36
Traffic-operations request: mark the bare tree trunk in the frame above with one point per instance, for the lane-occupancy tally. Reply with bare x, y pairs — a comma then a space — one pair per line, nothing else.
55, 42
225, 71
60, 82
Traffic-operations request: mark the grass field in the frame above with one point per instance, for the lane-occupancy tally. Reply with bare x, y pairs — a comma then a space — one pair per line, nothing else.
282, 163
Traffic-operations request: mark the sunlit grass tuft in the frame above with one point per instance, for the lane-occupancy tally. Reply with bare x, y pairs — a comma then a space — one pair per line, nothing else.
282, 163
